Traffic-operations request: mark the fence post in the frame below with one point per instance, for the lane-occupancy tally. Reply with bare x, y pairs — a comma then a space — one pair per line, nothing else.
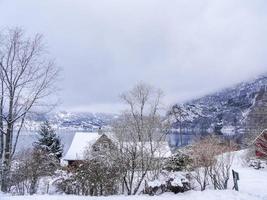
235, 178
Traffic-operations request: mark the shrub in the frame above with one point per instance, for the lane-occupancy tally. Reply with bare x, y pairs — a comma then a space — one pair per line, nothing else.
178, 162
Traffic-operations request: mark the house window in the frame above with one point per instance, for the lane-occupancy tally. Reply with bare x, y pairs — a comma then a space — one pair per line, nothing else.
96, 148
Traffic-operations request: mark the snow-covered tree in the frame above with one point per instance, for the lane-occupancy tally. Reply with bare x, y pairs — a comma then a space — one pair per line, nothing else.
48, 141
42, 164
45, 156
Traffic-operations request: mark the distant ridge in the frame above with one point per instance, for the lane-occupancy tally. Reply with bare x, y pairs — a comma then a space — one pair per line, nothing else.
227, 111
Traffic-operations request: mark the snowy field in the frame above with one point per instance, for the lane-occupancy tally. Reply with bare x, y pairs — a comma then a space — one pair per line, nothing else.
193, 195
252, 185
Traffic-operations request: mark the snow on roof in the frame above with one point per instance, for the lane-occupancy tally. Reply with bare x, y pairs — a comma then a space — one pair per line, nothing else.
79, 143
160, 149
164, 150
82, 140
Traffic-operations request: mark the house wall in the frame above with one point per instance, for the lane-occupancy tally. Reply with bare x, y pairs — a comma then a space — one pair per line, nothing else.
103, 143
261, 145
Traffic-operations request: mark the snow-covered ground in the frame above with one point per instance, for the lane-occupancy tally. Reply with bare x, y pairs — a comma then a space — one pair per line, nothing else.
193, 195
252, 185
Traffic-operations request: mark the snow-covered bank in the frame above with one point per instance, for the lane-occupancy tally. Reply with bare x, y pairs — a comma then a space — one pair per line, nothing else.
252, 186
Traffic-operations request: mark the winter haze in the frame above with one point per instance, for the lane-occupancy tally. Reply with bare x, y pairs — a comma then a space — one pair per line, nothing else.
187, 48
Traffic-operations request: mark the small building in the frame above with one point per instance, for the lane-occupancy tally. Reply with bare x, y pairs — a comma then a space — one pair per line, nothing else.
85, 142
86, 145
260, 143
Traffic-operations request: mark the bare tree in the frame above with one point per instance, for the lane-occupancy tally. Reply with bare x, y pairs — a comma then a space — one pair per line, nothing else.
203, 158
141, 132
27, 77
211, 161
220, 171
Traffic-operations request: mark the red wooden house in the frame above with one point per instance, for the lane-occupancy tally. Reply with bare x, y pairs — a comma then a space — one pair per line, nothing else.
261, 145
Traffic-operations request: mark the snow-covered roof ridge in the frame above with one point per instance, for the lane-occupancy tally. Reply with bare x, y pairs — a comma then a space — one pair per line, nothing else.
160, 149
80, 142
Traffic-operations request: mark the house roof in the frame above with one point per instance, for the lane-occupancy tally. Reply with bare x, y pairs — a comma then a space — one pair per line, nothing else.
79, 143
82, 140
163, 150
160, 149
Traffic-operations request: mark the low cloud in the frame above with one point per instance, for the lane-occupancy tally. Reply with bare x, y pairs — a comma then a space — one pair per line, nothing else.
187, 48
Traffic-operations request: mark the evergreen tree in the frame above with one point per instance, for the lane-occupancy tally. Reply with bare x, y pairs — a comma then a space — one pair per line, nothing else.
48, 141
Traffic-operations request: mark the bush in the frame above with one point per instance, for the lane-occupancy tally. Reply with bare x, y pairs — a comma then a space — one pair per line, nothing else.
178, 162
211, 162
28, 167
167, 182
257, 164
94, 178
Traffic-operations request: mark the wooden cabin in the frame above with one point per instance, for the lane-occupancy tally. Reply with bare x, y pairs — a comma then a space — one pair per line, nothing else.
85, 143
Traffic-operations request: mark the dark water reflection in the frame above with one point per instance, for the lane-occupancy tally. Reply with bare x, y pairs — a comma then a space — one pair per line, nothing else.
176, 140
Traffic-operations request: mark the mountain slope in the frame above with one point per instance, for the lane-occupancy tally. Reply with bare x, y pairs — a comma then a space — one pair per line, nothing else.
226, 111
81, 121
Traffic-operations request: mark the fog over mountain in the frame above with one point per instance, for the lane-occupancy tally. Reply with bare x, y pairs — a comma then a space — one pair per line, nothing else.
187, 48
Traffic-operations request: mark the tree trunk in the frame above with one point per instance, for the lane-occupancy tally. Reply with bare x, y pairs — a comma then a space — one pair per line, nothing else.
1, 117
33, 186
1, 131
6, 158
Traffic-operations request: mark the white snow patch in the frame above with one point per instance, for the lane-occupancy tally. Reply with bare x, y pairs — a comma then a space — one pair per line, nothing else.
192, 195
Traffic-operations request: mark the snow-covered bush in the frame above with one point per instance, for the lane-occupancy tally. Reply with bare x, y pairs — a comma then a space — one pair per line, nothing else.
98, 177
257, 163
94, 178
65, 182
99, 174
178, 162
27, 169
167, 182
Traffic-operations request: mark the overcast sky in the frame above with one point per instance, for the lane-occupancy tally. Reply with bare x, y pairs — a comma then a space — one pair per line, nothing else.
187, 48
